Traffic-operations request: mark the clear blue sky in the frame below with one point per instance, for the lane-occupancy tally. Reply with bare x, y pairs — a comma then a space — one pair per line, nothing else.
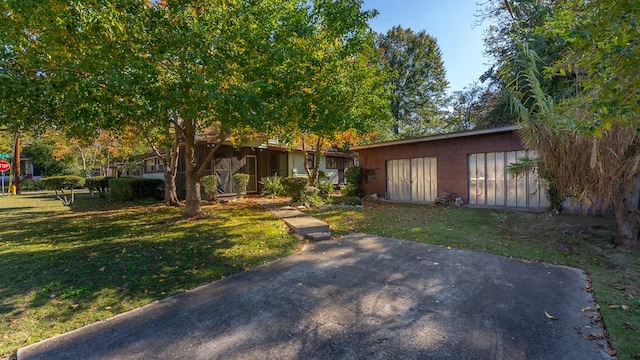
451, 22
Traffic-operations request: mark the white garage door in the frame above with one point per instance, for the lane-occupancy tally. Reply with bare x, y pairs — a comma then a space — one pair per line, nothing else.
412, 180
491, 185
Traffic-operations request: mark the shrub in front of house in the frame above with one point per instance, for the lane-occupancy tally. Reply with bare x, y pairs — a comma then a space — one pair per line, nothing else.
353, 177
324, 189
273, 187
210, 183
61, 183
324, 185
240, 182
32, 185
99, 184
128, 189
295, 187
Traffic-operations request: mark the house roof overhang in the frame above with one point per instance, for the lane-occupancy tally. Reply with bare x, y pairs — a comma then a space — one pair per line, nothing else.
437, 137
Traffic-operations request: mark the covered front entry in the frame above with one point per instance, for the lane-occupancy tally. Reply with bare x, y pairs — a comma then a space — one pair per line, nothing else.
412, 180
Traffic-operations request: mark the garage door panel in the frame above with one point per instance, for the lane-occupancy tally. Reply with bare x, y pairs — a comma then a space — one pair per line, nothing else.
433, 174
501, 195
411, 180
490, 175
490, 183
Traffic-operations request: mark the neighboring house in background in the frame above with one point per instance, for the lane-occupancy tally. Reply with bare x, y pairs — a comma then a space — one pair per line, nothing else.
259, 159
27, 170
470, 164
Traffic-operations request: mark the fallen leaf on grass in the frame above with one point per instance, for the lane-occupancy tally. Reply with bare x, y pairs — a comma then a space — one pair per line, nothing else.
625, 307
550, 316
614, 306
628, 326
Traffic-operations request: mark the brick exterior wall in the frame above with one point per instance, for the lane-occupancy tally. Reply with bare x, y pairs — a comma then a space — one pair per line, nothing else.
451, 155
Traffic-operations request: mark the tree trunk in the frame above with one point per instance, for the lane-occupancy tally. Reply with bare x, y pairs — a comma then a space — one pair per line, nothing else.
316, 165
170, 190
312, 174
170, 162
192, 200
305, 163
93, 162
16, 161
625, 220
84, 161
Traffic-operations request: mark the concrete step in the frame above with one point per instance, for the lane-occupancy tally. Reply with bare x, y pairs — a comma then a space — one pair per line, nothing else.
319, 236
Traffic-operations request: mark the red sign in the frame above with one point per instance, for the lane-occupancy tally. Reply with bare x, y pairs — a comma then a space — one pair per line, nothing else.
4, 166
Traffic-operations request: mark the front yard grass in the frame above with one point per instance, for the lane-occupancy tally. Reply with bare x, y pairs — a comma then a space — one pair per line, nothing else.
63, 268
579, 241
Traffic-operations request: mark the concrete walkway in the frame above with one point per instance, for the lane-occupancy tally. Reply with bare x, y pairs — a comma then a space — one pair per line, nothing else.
301, 223
358, 297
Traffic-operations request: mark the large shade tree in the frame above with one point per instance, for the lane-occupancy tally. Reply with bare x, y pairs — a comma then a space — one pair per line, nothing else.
416, 80
180, 68
510, 22
571, 68
336, 93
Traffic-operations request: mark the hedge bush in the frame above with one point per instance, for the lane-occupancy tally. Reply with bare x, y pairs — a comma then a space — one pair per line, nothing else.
32, 185
296, 187
325, 188
128, 189
210, 183
99, 184
66, 182
353, 177
240, 182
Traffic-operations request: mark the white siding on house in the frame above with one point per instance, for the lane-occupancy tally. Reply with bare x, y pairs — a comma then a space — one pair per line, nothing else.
153, 176
296, 166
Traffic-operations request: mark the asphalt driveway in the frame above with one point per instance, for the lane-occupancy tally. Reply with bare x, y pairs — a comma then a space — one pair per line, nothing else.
360, 297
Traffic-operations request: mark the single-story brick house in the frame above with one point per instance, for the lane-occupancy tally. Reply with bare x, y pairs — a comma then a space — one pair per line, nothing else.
259, 159
470, 164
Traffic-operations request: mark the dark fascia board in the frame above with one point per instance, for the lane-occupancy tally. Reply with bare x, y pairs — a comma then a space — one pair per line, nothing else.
436, 137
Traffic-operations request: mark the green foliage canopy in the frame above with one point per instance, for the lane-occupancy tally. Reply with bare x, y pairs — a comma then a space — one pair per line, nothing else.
269, 67
416, 80
602, 42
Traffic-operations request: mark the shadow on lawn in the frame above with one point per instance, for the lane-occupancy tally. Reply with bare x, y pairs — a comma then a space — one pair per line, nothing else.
72, 262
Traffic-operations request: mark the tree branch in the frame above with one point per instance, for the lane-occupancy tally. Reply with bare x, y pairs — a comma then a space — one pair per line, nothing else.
222, 137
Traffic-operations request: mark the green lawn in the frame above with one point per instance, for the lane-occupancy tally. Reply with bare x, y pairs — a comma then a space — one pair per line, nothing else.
63, 268
578, 241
